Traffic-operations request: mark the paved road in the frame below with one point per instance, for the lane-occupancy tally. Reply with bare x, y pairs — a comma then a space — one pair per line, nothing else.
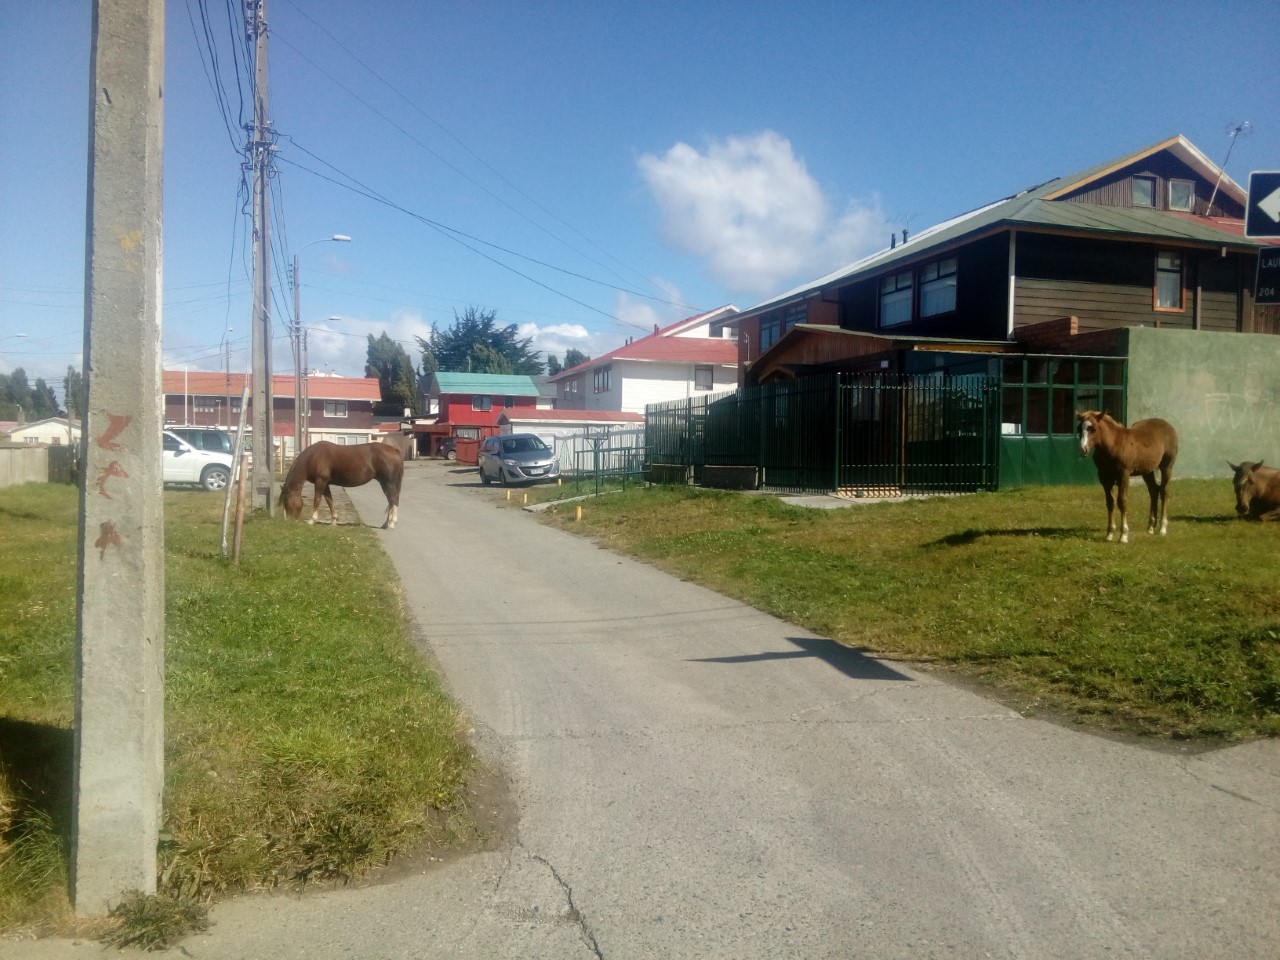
696, 779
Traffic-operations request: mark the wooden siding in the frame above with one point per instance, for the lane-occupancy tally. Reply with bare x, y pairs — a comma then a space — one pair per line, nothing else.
1117, 189
1111, 284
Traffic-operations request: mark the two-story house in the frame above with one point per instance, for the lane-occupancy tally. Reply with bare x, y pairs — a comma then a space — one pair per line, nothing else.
695, 356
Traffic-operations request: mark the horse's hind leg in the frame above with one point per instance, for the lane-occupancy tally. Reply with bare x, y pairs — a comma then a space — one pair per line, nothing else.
1166, 475
321, 489
328, 498
393, 504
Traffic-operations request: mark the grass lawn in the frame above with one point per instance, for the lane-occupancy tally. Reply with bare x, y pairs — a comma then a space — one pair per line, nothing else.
1175, 636
305, 738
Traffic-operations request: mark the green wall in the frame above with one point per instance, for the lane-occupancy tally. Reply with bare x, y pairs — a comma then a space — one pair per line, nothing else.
1221, 392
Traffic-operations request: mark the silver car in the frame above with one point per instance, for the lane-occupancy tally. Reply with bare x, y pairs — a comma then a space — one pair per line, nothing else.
516, 458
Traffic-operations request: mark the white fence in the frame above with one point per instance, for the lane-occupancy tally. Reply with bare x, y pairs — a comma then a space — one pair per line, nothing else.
29, 464
603, 451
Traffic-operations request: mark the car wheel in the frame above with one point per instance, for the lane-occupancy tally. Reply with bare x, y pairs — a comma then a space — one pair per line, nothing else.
484, 477
215, 478
502, 475
451, 455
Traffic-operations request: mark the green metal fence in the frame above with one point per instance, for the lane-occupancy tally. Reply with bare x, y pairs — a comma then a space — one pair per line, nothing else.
859, 435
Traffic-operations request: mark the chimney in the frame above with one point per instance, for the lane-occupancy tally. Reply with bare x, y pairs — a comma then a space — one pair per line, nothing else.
904, 235
655, 328
893, 241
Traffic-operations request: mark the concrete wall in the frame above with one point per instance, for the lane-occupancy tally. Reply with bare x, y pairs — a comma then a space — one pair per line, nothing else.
23, 465
1221, 391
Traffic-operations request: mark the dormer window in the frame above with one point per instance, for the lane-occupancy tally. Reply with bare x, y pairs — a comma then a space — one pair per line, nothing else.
1182, 195
1144, 191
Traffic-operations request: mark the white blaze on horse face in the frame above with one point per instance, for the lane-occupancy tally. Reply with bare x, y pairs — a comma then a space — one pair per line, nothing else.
1086, 437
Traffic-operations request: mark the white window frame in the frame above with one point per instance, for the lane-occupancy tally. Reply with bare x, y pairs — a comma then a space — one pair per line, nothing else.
1133, 192
482, 402
704, 377
1190, 186
336, 409
1169, 264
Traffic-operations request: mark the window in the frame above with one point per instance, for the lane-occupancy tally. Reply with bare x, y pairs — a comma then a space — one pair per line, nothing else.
1182, 195
938, 287
1144, 191
895, 299
481, 402
335, 408
1168, 293
509, 402
704, 377
603, 378
204, 404
775, 326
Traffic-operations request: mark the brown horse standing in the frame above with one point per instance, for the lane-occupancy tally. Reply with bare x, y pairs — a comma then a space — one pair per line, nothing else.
1119, 452
1257, 491
325, 464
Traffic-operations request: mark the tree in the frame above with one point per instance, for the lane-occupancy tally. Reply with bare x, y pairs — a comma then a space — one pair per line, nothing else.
44, 402
554, 365
573, 357
389, 362
73, 393
475, 343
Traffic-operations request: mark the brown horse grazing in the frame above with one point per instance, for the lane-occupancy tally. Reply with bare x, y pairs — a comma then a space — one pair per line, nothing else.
1120, 452
325, 464
1257, 491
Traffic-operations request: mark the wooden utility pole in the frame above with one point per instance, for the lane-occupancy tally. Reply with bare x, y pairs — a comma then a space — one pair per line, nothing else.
119, 724
260, 148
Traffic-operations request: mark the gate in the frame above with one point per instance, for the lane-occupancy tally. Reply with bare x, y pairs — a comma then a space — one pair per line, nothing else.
840, 433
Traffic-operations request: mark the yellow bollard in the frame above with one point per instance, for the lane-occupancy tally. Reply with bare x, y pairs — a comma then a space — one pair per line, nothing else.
526, 499
559, 481
508, 494
577, 513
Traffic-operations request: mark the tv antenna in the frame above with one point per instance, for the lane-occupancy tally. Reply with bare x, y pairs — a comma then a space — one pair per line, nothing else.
1235, 131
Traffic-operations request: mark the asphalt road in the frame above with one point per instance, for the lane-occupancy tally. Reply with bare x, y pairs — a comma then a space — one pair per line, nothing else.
696, 779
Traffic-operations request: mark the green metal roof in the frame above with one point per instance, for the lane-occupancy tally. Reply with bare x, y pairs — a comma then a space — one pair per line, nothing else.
512, 385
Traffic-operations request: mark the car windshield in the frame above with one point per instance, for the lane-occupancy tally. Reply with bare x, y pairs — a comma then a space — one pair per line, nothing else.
523, 445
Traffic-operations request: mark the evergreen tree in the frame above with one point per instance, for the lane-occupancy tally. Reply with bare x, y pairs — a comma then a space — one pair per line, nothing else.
573, 357
475, 343
389, 362
554, 365
73, 397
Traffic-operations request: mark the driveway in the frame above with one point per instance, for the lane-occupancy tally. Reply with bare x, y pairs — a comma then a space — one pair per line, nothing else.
693, 778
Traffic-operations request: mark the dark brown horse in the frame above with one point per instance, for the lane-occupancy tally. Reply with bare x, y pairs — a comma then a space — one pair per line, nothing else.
1257, 491
325, 464
1119, 452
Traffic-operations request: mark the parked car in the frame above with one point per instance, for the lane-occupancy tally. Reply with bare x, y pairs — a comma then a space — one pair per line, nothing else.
448, 449
206, 438
183, 463
517, 458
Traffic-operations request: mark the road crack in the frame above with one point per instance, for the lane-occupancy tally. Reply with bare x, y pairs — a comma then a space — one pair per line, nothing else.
574, 915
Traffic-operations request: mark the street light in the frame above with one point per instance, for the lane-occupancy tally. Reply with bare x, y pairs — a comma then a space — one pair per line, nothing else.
300, 393
306, 385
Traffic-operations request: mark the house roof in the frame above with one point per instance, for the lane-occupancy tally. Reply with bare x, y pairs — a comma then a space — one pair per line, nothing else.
512, 385
59, 421
571, 416
668, 346
1041, 207
215, 384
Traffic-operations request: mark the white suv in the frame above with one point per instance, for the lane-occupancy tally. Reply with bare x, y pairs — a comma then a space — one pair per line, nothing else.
183, 463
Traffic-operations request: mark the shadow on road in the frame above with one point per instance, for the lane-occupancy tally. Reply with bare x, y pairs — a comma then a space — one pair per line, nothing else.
850, 662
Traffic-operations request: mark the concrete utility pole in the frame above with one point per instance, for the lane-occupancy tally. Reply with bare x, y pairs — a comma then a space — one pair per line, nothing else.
119, 733
260, 148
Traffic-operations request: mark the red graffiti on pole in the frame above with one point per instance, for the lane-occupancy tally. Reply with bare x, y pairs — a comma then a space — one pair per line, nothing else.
112, 469
108, 536
118, 421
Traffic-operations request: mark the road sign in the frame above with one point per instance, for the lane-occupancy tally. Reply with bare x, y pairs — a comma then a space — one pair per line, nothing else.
1262, 212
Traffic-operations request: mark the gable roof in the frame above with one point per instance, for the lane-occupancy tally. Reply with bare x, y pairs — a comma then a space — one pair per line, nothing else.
666, 345
1041, 206
203, 383
512, 385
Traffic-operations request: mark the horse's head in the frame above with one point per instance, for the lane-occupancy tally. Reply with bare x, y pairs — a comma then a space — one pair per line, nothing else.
1087, 430
291, 501
1247, 484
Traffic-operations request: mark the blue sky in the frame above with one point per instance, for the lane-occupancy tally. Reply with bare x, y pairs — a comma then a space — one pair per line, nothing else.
592, 168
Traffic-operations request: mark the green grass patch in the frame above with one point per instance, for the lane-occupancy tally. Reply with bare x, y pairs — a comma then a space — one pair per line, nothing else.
306, 739
1171, 636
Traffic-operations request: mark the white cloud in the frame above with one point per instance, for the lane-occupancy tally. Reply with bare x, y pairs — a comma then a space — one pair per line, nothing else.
749, 208
341, 345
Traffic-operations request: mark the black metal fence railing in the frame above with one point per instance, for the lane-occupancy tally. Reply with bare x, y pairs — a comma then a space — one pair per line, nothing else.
861, 435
